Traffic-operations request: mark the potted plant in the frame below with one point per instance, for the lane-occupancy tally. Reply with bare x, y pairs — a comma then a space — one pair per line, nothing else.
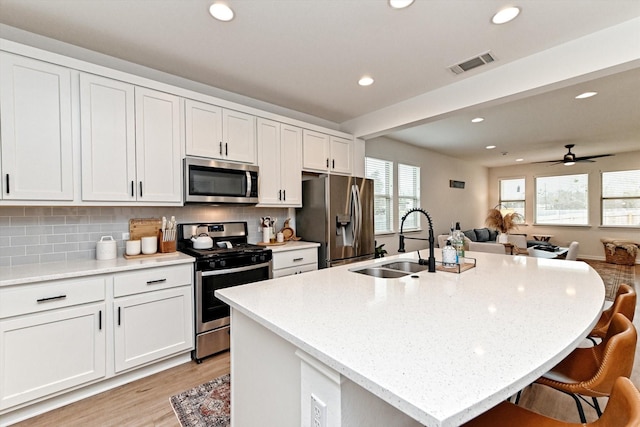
503, 220
380, 251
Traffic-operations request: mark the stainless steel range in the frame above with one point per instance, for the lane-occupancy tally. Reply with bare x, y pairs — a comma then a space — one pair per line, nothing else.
223, 259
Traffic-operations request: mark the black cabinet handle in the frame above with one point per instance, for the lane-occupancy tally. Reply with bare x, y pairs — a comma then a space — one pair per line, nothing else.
333, 164
284, 194
133, 189
298, 259
279, 194
51, 298
327, 162
118, 316
7, 178
221, 148
100, 320
226, 148
154, 282
140, 188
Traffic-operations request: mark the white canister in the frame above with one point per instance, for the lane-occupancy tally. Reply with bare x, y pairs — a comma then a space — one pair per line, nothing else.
132, 247
106, 248
149, 245
266, 234
279, 237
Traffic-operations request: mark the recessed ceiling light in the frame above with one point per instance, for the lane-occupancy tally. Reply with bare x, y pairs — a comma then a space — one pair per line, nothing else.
477, 120
400, 4
505, 15
365, 81
490, 147
586, 95
221, 12
519, 160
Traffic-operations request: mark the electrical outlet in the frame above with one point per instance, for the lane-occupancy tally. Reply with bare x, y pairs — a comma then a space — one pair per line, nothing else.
126, 236
318, 412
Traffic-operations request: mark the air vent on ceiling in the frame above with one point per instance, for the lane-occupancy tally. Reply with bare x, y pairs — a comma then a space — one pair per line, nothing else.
470, 64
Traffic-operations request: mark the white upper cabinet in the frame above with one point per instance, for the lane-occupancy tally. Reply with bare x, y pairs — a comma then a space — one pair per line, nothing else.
218, 133
280, 162
158, 158
36, 131
324, 153
108, 139
130, 142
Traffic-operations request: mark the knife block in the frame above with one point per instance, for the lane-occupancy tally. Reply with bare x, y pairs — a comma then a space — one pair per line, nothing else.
165, 247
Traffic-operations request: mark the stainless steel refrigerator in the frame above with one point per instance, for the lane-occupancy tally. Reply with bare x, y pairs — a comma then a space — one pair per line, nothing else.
337, 212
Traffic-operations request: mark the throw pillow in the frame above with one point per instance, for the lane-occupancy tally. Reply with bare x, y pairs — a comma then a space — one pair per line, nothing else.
471, 235
493, 235
482, 234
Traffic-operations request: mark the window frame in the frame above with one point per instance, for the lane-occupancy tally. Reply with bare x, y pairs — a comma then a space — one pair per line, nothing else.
502, 201
415, 198
389, 197
604, 198
587, 202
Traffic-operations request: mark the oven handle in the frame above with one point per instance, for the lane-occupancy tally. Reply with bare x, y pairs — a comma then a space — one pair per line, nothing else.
233, 270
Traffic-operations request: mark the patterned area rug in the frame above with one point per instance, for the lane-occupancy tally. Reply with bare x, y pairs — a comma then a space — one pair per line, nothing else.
613, 275
207, 405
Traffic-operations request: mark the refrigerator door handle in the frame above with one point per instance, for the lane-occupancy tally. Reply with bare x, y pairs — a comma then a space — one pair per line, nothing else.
357, 217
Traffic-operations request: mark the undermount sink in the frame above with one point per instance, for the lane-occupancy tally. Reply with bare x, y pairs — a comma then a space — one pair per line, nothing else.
391, 270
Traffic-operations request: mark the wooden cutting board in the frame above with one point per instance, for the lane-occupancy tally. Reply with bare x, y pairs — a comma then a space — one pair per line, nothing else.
143, 227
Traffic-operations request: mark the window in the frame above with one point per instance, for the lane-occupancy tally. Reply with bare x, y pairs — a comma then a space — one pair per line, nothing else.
408, 194
562, 200
381, 172
512, 195
621, 198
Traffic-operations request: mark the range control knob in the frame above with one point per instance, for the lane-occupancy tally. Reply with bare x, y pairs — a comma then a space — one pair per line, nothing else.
263, 258
212, 264
254, 258
223, 263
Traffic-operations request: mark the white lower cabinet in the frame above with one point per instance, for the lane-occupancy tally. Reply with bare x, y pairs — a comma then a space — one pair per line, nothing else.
151, 326
56, 336
286, 263
52, 338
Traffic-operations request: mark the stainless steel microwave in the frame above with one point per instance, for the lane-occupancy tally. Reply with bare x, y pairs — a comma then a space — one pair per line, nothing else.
211, 181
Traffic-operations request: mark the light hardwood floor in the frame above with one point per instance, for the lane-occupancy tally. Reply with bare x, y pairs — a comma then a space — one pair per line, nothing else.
146, 402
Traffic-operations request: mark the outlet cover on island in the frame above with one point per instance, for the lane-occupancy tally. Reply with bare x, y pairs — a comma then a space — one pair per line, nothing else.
318, 412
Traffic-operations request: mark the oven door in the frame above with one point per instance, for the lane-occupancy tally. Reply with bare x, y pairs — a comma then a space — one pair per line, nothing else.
211, 312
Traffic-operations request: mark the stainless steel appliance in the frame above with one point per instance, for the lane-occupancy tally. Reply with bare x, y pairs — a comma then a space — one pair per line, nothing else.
230, 262
211, 181
338, 212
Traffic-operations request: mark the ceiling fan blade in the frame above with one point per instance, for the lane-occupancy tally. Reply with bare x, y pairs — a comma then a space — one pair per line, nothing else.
580, 159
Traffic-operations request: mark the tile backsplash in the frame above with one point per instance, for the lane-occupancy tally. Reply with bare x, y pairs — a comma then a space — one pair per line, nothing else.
31, 235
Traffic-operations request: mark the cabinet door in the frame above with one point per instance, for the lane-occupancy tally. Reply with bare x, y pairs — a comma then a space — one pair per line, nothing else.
158, 146
239, 136
152, 325
35, 112
107, 120
340, 155
269, 188
291, 165
315, 151
203, 129
45, 353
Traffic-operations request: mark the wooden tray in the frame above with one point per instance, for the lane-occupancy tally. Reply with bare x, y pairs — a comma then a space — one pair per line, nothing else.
459, 268
156, 255
271, 244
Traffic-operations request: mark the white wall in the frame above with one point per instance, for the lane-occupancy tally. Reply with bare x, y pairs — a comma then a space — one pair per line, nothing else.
588, 236
444, 204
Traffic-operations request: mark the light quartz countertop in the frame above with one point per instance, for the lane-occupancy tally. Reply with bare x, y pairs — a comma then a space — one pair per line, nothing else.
441, 347
30, 273
293, 245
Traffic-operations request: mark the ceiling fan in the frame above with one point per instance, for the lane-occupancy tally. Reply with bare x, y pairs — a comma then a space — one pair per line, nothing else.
570, 158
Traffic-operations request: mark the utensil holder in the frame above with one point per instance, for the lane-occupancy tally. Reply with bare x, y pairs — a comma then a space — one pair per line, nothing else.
165, 246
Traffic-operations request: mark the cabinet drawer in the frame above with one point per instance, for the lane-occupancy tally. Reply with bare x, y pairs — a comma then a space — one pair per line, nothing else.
50, 295
293, 258
294, 270
152, 279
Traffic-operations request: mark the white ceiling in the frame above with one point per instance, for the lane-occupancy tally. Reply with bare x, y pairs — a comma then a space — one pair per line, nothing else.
307, 55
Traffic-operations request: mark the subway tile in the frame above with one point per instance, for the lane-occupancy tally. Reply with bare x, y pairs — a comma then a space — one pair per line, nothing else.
52, 220
77, 219
100, 219
81, 255
24, 220
5, 261
39, 229
12, 231
12, 211
53, 238
64, 210
39, 249
78, 237
65, 229
88, 228
65, 247
37, 211
53, 257
27, 259
5, 221
115, 227
5, 241
12, 251
25, 240
83, 246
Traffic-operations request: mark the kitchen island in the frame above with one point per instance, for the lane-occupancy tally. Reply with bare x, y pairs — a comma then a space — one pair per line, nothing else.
431, 349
